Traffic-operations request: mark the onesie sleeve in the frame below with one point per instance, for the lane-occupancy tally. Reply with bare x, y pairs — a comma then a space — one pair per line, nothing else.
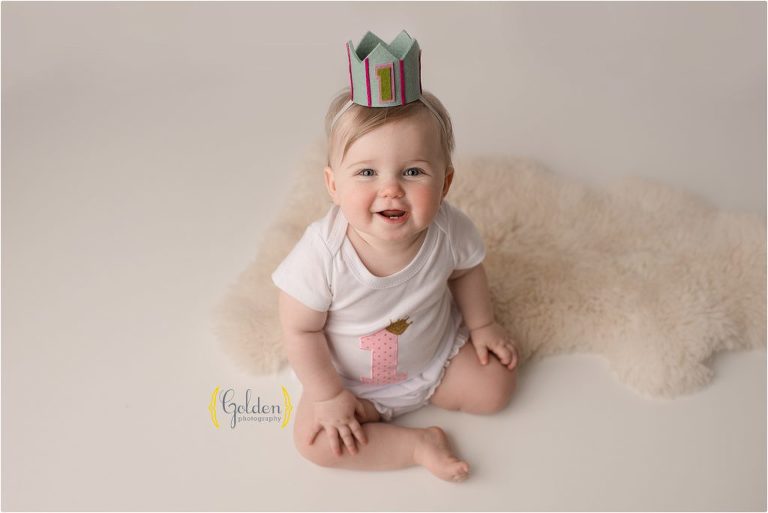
305, 273
466, 242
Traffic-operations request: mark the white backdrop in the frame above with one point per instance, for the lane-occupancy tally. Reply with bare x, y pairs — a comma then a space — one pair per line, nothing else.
147, 145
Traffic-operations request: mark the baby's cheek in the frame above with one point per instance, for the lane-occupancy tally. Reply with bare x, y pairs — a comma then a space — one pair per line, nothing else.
425, 200
360, 201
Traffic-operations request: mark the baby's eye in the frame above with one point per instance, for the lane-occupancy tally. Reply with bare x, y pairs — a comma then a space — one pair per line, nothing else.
414, 171
366, 172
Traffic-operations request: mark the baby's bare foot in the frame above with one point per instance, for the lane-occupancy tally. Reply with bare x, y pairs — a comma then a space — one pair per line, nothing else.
434, 453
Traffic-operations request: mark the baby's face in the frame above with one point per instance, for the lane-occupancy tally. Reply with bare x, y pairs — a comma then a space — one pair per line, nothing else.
392, 180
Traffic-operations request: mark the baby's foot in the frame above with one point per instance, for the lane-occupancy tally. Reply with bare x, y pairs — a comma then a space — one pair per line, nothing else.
436, 455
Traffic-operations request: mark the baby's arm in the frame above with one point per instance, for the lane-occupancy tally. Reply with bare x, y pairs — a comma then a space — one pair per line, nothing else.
470, 291
307, 350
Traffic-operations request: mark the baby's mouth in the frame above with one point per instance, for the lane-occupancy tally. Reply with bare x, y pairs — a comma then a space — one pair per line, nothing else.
392, 214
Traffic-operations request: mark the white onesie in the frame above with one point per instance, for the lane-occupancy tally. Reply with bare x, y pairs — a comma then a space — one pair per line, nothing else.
390, 337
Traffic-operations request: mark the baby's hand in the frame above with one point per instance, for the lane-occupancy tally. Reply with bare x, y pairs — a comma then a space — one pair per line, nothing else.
496, 339
337, 416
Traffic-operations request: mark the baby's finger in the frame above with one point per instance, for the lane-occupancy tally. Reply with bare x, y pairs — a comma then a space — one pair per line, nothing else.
333, 438
349, 441
504, 354
482, 353
316, 428
513, 363
358, 431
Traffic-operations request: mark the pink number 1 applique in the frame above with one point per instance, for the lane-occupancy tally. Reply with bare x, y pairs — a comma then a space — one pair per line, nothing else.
383, 347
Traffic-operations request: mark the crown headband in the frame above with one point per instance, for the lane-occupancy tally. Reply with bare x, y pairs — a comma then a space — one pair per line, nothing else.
385, 75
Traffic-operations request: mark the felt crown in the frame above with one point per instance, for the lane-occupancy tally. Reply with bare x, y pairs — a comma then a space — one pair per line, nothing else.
384, 75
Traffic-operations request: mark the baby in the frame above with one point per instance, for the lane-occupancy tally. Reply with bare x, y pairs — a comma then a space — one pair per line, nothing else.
384, 302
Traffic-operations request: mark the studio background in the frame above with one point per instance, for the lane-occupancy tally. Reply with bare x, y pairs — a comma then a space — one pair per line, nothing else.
146, 147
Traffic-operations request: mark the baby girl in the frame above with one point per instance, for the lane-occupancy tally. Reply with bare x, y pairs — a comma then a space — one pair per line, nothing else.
384, 302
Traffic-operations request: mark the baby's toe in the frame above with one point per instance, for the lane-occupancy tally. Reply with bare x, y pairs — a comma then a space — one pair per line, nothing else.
462, 472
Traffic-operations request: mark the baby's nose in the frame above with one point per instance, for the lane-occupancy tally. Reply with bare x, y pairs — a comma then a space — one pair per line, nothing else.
391, 189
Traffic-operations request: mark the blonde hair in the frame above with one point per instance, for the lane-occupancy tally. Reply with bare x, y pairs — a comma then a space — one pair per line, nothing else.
358, 121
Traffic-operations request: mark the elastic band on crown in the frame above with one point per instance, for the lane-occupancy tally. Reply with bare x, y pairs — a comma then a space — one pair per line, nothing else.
339, 114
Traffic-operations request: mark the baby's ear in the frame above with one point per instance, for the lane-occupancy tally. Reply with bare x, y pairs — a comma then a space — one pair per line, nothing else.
330, 183
448, 180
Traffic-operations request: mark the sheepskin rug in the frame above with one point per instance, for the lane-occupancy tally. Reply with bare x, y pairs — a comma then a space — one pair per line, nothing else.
654, 279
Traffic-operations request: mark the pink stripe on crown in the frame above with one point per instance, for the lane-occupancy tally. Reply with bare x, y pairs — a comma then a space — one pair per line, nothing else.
420, 91
402, 82
351, 83
367, 81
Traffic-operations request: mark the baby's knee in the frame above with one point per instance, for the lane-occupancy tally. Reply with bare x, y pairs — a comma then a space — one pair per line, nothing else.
319, 452
490, 402
301, 434
497, 395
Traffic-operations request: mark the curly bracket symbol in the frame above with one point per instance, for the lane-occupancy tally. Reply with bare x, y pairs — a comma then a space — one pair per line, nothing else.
288, 407
212, 407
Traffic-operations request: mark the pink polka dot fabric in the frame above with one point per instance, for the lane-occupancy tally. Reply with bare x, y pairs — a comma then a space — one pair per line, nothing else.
383, 347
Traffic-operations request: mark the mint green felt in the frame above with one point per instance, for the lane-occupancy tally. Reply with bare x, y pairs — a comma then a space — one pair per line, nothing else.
379, 52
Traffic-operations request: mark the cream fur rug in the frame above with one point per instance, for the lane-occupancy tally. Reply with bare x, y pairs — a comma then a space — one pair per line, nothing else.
655, 280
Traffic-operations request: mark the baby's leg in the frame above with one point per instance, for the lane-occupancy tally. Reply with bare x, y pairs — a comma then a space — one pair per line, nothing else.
472, 387
389, 447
